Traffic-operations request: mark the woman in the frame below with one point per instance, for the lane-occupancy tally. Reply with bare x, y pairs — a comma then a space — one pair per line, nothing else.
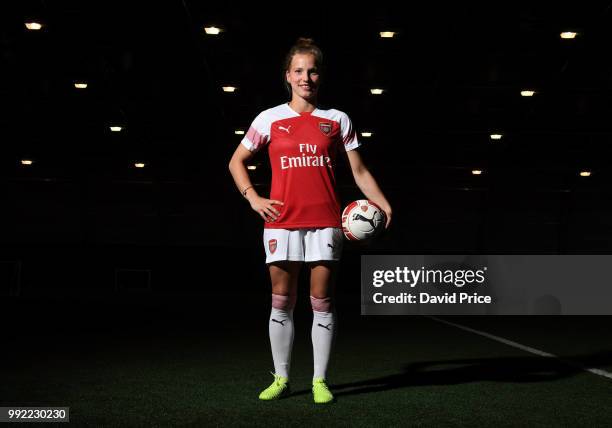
302, 216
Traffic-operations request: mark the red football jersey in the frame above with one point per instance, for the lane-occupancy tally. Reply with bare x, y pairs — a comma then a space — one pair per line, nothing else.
303, 150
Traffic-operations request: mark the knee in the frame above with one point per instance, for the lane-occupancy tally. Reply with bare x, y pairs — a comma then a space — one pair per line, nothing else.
284, 303
321, 305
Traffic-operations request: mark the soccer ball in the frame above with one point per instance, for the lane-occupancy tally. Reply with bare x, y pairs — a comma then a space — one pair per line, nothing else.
362, 220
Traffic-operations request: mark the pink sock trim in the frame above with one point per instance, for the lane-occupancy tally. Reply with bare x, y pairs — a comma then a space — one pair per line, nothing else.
320, 305
284, 303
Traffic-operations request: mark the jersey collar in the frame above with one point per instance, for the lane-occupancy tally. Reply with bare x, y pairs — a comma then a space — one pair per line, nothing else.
312, 113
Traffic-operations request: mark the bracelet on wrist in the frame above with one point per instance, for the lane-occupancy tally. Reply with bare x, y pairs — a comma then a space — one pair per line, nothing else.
245, 190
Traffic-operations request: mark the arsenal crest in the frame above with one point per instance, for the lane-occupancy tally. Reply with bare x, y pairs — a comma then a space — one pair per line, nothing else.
325, 128
272, 245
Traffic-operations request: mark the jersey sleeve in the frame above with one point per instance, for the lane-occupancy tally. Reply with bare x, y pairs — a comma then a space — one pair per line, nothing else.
258, 134
349, 136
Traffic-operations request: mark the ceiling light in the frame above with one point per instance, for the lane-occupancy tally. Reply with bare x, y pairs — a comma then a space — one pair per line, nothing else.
585, 173
476, 172
366, 134
377, 91
139, 165
568, 35
116, 128
229, 89
26, 162
80, 85
527, 93
33, 25
213, 31
387, 34
252, 167
239, 132
496, 136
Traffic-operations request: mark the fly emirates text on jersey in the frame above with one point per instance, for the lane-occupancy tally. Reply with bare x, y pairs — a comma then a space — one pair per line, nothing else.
308, 157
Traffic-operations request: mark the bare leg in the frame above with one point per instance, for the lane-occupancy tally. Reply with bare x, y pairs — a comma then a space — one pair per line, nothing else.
284, 277
322, 278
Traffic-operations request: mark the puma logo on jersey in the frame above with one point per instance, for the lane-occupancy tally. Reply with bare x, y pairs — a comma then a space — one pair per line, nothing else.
326, 327
282, 128
330, 246
280, 322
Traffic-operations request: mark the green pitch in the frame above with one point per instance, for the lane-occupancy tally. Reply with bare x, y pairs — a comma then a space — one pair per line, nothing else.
171, 364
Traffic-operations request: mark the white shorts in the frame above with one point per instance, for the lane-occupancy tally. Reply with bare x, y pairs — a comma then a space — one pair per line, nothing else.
303, 245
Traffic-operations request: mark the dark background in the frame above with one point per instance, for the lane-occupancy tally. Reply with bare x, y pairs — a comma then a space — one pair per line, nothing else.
82, 220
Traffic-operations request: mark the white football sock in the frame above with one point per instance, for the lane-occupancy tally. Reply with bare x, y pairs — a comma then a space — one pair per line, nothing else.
323, 327
281, 339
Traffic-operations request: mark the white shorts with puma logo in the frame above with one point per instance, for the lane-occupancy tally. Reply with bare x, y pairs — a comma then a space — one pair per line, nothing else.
303, 245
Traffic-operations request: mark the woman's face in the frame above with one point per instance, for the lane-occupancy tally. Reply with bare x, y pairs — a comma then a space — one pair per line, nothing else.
303, 76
